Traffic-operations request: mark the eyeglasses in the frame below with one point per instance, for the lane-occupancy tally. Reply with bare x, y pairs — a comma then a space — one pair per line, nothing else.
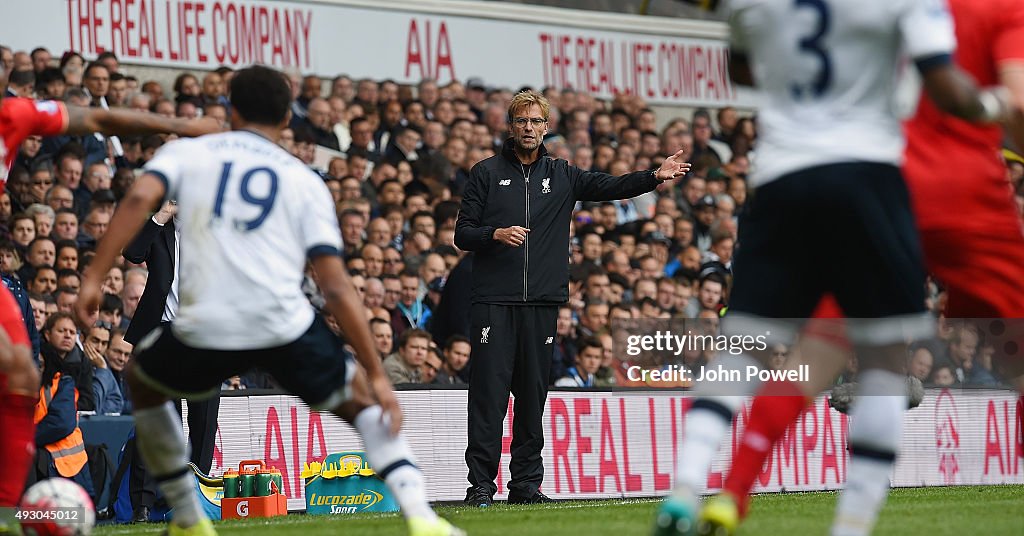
42, 183
392, 261
103, 324
522, 121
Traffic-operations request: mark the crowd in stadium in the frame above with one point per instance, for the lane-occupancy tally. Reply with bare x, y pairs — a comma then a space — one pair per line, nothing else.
396, 157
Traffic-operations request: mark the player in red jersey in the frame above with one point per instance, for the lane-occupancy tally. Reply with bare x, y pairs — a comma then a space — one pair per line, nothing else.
969, 226
19, 374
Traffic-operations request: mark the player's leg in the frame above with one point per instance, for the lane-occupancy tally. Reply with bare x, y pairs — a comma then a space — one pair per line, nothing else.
774, 284
530, 388
391, 458
880, 285
823, 347
19, 391
165, 367
313, 367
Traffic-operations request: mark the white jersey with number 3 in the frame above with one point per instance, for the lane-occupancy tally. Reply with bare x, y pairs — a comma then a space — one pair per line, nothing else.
828, 72
250, 213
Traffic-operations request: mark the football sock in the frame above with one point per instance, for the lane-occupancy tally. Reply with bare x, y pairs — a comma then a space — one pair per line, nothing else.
708, 421
163, 447
17, 444
777, 405
876, 423
392, 459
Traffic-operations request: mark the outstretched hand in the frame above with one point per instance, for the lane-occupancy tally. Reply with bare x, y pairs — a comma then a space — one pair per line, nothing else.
673, 167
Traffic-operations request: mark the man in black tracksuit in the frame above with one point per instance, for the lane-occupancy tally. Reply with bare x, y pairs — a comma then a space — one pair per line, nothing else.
515, 217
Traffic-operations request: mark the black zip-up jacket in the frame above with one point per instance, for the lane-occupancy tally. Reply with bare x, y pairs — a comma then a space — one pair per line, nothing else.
503, 192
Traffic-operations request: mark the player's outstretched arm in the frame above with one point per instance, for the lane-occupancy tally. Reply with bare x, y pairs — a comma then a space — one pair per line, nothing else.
955, 93
142, 199
128, 122
344, 304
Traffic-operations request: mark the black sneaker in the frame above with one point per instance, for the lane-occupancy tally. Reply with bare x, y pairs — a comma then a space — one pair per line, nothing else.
536, 498
478, 496
140, 515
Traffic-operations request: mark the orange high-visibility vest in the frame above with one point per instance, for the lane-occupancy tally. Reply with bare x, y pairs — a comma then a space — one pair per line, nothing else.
68, 453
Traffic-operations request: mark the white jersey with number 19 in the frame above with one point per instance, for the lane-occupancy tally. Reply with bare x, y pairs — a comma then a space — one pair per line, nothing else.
250, 214
828, 72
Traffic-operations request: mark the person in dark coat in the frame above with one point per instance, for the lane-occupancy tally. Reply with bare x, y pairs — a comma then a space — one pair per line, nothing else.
157, 246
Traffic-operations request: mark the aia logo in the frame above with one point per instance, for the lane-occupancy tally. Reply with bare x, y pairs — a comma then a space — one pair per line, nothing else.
947, 437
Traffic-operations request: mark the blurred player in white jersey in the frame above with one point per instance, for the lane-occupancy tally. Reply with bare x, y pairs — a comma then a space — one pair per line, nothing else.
251, 217
827, 170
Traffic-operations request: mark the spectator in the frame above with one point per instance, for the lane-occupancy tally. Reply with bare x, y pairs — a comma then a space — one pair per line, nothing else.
23, 230
67, 255
114, 282
383, 335
96, 224
921, 361
65, 298
109, 399
186, 88
588, 361
110, 310
69, 279
131, 295
410, 311
318, 121
59, 348
43, 216
97, 84
118, 353
594, 320
41, 59
65, 227
943, 375
97, 177
963, 346
60, 445
373, 256
404, 365
59, 197
431, 366
44, 280
10, 258
352, 228
456, 357
981, 372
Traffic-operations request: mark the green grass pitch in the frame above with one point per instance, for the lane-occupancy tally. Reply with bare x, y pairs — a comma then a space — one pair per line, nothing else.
982, 510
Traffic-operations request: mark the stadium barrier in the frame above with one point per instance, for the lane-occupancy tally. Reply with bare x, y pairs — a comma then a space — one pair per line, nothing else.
625, 443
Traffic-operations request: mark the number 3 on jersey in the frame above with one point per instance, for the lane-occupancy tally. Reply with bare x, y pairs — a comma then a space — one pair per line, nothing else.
812, 44
265, 202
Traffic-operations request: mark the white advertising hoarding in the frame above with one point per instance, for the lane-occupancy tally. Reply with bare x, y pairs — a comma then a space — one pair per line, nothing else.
672, 62
626, 444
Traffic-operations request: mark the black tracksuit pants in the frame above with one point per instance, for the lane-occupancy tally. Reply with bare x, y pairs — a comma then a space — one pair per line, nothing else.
511, 351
